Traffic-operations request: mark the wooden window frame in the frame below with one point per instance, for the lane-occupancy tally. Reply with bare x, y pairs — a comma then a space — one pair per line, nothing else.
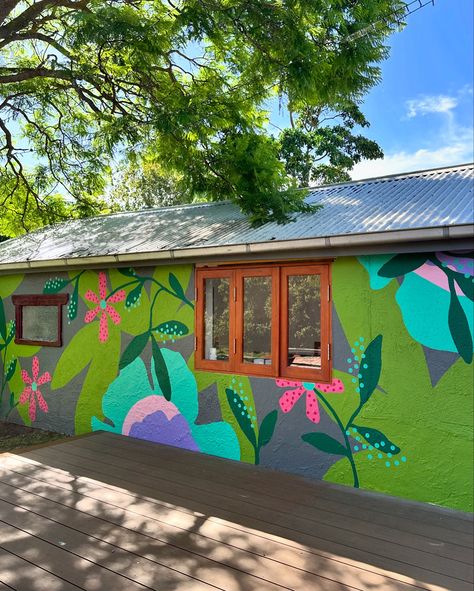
20, 301
279, 339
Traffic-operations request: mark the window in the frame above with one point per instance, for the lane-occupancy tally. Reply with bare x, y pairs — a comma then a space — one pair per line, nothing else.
268, 321
39, 319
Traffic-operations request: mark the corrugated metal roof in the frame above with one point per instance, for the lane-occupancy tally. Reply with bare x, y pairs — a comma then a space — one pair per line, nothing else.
425, 199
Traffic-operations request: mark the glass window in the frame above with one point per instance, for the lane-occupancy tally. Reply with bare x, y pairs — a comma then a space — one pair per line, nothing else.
257, 320
216, 319
304, 321
40, 323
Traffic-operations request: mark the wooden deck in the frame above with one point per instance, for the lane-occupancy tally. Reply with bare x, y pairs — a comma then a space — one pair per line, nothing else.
110, 513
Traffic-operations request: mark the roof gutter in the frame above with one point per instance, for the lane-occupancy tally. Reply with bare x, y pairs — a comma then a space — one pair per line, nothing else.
416, 239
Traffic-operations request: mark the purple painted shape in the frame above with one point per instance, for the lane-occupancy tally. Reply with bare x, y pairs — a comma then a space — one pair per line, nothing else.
157, 428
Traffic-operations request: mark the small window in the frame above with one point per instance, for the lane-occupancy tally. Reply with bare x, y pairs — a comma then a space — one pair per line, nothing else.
268, 321
39, 319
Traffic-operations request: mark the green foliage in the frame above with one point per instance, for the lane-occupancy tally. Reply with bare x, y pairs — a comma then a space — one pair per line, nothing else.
325, 443
134, 349
186, 85
320, 149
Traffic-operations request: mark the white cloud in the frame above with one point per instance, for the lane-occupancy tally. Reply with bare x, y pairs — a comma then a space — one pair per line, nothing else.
430, 104
399, 162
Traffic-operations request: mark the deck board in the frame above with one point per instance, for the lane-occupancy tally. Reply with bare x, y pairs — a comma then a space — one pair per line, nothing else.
135, 515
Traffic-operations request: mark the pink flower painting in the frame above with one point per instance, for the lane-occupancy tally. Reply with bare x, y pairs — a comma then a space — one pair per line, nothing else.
104, 308
291, 397
32, 394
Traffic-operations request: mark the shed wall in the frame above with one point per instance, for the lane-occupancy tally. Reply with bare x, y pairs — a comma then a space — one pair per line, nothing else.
409, 433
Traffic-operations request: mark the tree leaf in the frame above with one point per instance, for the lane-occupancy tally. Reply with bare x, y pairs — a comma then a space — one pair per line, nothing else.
325, 443
374, 436
401, 264
239, 410
459, 325
3, 326
176, 286
161, 371
134, 349
370, 368
267, 427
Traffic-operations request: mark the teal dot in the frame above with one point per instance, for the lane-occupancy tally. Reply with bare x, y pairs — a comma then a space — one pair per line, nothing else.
356, 366
363, 356
392, 447
382, 443
370, 456
380, 456
362, 347
354, 380
350, 370
404, 459
357, 438
388, 464
466, 275
361, 339
389, 455
353, 350
349, 360
356, 358
354, 429
367, 435
357, 390
361, 385
243, 413
348, 432
377, 445
397, 463
444, 264
364, 446
359, 375
371, 447
356, 448
356, 343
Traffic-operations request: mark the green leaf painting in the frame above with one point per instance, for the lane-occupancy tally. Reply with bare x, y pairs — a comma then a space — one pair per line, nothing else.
242, 413
3, 326
55, 285
370, 368
377, 439
134, 349
267, 427
401, 264
161, 371
325, 443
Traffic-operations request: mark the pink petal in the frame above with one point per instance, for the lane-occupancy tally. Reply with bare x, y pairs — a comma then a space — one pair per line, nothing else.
41, 401
114, 315
25, 395
35, 368
117, 297
44, 379
312, 407
25, 377
103, 328
335, 386
290, 398
89, 317
91, 297
32, 409
286, 383
102, 285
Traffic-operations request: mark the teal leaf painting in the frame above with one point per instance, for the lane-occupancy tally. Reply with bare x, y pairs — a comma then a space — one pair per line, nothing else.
134, 349
267, 427
370, 368
458, 325
377, 439
401, 264
161, 371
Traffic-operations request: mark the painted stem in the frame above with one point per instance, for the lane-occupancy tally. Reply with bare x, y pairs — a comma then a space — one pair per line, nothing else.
343, 430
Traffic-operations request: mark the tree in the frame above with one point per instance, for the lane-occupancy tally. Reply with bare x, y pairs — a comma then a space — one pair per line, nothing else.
141, 184
321, 146
82, 81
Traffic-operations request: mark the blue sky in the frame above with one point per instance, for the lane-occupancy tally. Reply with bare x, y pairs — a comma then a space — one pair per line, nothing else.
422, 112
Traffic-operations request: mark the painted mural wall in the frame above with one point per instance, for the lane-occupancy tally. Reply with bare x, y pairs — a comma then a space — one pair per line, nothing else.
397, 417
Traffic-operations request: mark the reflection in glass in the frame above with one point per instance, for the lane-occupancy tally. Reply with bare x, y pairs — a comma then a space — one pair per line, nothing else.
216, 319
40, 323
257, 320
304, 321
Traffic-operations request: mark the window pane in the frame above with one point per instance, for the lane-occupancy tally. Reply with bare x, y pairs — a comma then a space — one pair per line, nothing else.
304, 321
40, 323
216, 319
257, 320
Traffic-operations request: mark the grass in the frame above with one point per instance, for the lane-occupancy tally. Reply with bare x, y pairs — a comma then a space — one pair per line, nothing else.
14, 436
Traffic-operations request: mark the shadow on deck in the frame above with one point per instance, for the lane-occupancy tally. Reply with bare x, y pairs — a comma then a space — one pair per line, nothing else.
113, 513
